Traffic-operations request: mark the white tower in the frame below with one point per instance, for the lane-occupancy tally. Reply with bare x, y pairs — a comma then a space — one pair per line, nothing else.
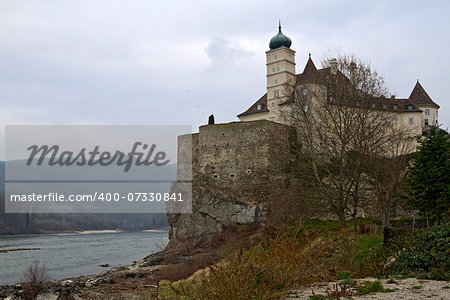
280, 62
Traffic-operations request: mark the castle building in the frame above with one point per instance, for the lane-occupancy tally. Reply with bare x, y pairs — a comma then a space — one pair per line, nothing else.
239, 172
416, 112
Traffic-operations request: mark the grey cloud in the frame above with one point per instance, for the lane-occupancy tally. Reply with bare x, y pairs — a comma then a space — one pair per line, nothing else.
219, 49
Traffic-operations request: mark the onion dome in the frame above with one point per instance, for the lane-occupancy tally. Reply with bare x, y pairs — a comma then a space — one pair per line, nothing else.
280, 40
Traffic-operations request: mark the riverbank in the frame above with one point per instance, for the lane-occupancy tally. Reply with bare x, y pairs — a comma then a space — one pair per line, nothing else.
75, 254
136, 281
140, 281
315, 260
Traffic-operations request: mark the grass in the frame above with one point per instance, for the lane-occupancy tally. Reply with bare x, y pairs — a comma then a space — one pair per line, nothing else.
285, 258
364, 245
369, 287
264, 271
417, 287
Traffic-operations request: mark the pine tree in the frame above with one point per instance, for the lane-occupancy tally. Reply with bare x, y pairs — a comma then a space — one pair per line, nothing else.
428, 178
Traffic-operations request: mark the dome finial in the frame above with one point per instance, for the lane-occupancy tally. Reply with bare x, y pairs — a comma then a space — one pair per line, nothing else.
280, 39
309, 54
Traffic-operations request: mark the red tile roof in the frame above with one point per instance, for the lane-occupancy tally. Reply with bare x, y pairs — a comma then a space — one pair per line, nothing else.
254, 108
420, 97
312, 75
310, 67
401, 105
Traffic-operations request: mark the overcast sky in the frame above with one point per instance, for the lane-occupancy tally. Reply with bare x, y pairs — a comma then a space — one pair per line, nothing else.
177, 62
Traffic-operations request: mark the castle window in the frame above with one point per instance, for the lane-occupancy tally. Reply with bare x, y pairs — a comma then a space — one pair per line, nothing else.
427, 112
425, 122
395, 106
273, 104
275, 56
411, 121
395, 120
384, 106
276, 81
273, 70
276, 93
357, 103
374, 105
258, 107
279, 119
232, 175
278, 69
249, 171
410, 107
215, 176
293, 112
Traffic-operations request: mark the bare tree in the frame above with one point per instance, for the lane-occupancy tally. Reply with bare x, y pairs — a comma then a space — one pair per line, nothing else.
387, 170
343, 127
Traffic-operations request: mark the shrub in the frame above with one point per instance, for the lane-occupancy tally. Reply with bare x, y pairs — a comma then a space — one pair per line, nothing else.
264, 272
35, 277
427, 251
368, 287
345, 278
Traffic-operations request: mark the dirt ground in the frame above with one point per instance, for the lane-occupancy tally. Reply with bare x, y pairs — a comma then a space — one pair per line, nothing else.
409, 288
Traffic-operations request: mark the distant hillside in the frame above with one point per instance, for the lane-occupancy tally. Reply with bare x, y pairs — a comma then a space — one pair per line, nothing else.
45, 223
2, 176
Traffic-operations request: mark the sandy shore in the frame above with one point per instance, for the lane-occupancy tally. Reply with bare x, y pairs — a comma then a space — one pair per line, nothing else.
409, 288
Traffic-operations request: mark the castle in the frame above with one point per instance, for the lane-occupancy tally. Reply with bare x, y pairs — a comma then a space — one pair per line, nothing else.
239, 168
417, 111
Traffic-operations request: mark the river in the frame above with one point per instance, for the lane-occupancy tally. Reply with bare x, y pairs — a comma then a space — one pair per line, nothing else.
69, 255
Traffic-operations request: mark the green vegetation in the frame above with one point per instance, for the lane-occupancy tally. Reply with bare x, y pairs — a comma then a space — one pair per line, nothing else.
417, 287
427, 253
345, 278
427, 186
288, 257
368, 287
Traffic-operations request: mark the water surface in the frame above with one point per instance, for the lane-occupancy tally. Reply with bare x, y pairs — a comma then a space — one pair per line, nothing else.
69, 255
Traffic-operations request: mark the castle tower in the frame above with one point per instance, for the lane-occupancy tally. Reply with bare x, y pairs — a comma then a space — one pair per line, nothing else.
280, 62
424, 102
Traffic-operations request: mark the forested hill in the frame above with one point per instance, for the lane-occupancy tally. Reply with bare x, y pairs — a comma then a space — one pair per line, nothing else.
48, 223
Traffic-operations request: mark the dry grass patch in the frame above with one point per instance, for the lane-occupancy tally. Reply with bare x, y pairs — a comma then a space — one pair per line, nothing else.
265, 271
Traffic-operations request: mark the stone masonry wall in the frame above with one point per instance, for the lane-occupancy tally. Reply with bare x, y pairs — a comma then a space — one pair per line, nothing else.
235, 167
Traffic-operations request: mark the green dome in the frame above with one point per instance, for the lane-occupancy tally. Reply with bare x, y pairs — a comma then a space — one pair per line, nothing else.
280, 40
